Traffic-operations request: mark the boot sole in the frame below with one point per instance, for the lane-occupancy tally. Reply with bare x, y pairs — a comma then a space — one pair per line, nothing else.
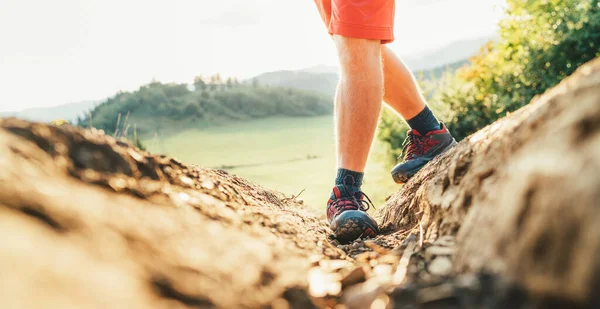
353, 228
403, 177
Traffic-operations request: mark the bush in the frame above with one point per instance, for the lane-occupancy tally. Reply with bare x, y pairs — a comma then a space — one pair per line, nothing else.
541, 43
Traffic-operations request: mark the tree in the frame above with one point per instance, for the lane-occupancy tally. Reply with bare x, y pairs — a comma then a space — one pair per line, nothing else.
541, 42
199, 83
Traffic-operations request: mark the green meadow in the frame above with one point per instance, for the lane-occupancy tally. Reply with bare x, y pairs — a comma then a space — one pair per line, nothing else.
289, 154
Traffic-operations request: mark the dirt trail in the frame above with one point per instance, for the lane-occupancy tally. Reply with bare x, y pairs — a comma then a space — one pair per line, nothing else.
88, 221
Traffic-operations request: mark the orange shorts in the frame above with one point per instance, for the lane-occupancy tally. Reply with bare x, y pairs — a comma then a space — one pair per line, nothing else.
364, 19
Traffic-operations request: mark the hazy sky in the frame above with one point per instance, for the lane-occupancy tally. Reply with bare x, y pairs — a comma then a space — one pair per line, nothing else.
61, 51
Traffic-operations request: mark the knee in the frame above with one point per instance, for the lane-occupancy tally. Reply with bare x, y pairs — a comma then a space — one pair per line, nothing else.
354, 52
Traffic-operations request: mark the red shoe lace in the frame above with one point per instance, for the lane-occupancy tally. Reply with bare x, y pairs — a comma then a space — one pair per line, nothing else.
354, 202
413, 146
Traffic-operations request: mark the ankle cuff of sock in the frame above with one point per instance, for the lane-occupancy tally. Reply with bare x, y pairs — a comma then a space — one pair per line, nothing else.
424, 122
343, 174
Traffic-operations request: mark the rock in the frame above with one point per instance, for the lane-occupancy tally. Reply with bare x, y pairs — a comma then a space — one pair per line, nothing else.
434, 251
322, 283
440, 266
356, 275
376, 248
334, 265
445, 241
362, 295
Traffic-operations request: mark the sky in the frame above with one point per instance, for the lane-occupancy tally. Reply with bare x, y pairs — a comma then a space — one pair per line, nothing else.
63, 51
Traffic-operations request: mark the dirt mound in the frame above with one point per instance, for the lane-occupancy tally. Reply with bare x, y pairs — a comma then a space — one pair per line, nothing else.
507, 219
89, 221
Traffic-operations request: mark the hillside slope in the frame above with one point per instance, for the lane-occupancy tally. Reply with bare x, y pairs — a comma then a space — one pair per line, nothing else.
325, 83
156, 106
506, 219
68, 112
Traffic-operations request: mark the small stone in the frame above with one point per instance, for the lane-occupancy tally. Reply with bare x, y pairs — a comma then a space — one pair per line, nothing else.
382, 270
362, 295
440, 266
434, 251
135, 155
117, 183
334, 265
186, 181
376, 248
322, 283
445, 241
391, 259
357, 275
183, 196
207, 184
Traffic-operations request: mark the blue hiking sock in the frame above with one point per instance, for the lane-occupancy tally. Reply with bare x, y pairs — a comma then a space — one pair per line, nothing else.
424, 122
347, 179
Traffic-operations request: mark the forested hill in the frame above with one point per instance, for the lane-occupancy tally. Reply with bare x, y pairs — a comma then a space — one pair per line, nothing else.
156, 106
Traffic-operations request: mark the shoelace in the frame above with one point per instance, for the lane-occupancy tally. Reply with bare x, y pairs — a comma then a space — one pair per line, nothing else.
353, 203
412, 146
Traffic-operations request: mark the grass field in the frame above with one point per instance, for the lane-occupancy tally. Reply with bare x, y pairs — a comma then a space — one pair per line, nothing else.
286, 154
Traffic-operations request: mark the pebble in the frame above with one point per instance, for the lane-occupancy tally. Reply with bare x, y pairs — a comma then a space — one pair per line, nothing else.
186, 181
357, 275
445, 241
333, 265
207, 184
440, 266
438, 251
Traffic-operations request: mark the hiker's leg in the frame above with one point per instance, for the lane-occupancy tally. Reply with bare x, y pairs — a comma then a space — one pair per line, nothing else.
428, 137
358, 28
358, 100
400, 91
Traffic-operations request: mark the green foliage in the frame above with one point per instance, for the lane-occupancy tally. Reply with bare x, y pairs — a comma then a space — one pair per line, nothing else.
159, 106
392, 130
541, 42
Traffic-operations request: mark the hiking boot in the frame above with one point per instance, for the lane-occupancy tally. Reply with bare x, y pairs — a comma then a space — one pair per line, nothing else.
347, 215
419, 150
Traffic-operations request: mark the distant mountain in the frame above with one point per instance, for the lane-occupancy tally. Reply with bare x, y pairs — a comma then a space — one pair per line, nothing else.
437, 72
430, 65
309, 79
69, 111
451, 53
322, 69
